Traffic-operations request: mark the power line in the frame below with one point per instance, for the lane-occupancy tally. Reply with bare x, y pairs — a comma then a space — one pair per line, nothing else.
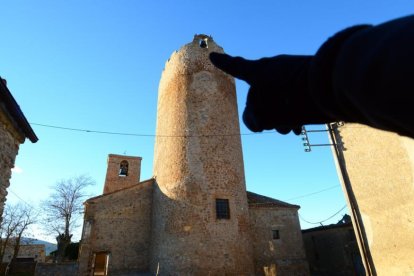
319, 222
146, 135
28, 204
314, 193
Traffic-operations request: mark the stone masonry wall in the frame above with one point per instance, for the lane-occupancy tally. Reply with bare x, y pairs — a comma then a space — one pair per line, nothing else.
46, 269
35, 251
380, 166
283, 256
9, 147
332, 250
118, 223
197, 159
113, 180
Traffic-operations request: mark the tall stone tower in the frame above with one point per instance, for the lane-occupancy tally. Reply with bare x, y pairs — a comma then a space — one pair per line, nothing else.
123, 171
200, 215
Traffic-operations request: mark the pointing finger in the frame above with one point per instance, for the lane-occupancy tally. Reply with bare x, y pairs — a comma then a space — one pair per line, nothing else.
236, 66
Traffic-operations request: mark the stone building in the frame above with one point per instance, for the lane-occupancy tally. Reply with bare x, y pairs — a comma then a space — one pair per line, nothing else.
333, 250
27, 253
377, 174
14, 129
118, 231
194, 217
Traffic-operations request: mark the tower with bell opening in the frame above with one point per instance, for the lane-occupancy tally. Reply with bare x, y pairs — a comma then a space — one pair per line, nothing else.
194, 216
200, 211
122, 172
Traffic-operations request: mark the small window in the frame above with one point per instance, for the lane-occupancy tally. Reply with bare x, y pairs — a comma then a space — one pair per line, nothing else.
123, 168
222, 208
275, 234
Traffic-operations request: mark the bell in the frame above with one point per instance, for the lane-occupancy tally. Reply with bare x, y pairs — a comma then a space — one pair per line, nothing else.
123, 171
203, 43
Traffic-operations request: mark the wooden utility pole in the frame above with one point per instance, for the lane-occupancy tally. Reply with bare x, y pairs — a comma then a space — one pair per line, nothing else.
352, 201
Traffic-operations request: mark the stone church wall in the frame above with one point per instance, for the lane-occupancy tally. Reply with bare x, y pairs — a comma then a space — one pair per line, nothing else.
280, 256
119, 224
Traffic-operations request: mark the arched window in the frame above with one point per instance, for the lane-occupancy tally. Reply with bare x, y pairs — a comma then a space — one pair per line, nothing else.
123, 168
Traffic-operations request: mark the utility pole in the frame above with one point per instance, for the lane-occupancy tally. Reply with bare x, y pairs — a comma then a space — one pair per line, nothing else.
353, 204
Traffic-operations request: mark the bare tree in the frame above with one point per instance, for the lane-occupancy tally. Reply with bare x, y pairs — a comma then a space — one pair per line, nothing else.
16, 221
8, 227
28, 216
63, 209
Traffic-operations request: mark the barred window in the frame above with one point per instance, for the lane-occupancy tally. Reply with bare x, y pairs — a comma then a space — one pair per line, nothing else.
222, 208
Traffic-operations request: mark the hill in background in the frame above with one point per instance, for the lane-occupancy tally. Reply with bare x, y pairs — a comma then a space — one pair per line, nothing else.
49, 247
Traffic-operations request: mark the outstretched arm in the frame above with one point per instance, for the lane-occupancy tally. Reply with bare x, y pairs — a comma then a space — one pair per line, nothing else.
363, 74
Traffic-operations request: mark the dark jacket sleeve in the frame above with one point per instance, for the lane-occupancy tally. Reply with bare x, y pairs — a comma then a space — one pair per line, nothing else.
365, 74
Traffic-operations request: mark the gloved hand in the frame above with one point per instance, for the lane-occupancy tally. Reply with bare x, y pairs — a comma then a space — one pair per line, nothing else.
279, 94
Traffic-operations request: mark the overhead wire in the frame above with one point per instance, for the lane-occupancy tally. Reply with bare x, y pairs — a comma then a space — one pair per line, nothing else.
314, 193
24, 201
319, 222
154, 135
146, 135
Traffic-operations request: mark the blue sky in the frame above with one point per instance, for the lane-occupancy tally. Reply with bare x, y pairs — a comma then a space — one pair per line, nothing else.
96, 65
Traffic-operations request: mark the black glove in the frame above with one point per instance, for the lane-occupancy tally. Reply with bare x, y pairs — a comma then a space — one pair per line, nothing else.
278, 97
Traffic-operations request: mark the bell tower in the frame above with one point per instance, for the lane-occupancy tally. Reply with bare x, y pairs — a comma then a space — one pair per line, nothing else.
122, 172
200, 209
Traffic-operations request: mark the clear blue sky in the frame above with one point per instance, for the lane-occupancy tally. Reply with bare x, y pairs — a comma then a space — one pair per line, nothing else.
96, 65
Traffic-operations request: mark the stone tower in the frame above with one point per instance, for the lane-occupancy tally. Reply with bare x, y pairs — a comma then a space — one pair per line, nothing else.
123, 171
200, 212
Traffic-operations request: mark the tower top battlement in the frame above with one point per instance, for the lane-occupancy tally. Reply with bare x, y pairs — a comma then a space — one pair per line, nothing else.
193, 57
203, 40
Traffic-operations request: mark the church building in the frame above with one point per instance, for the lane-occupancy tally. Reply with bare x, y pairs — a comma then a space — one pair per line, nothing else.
194, 217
